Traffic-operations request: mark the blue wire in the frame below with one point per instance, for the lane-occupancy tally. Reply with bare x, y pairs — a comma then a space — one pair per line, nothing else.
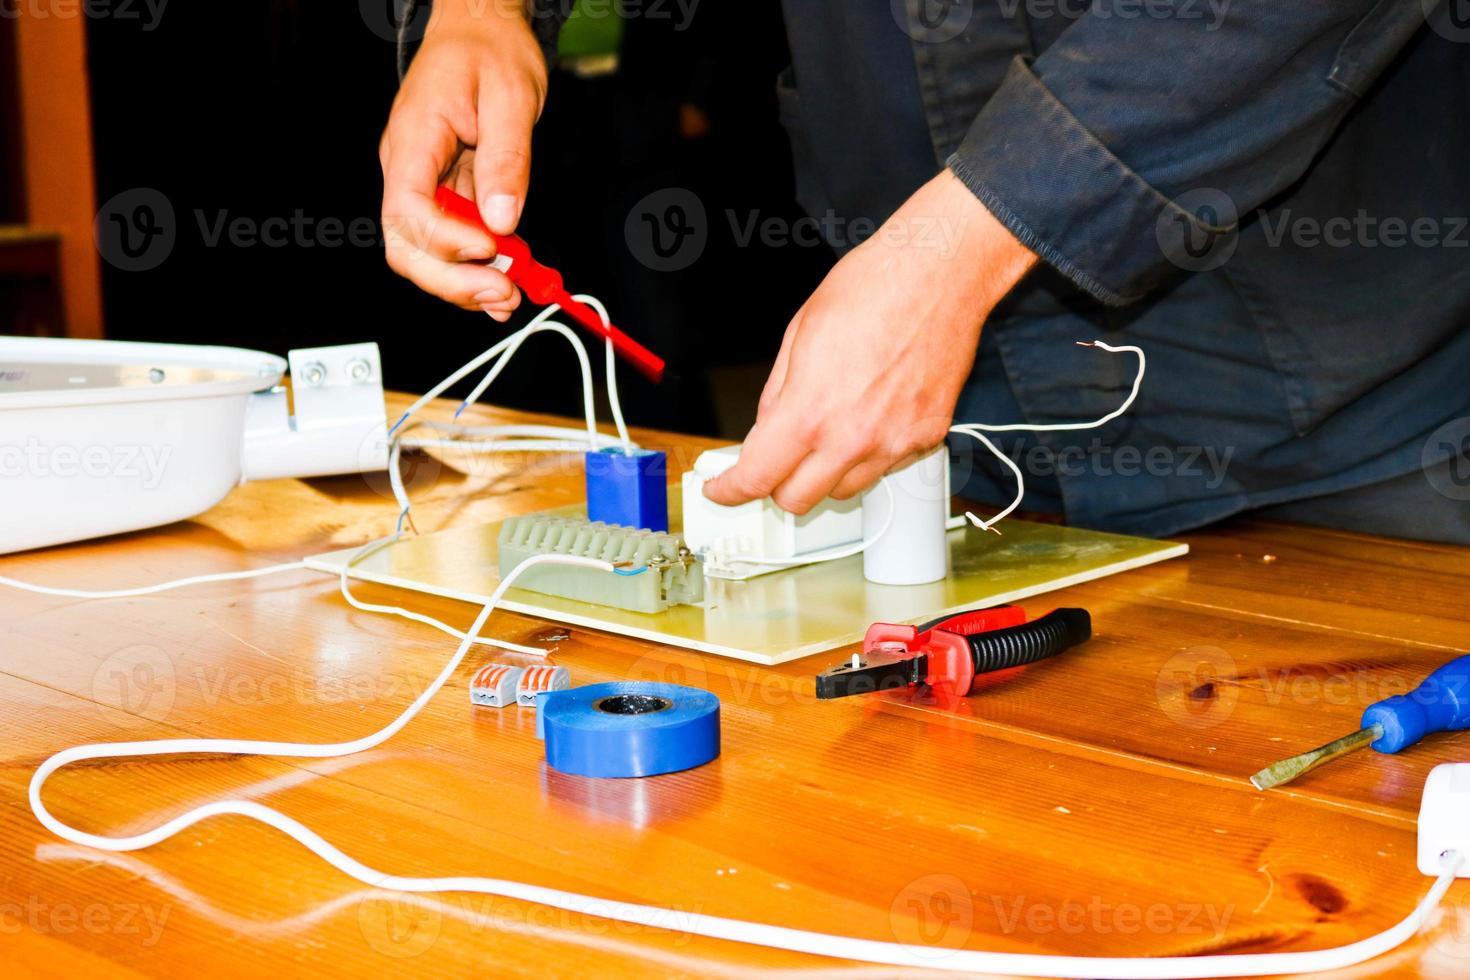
624, 571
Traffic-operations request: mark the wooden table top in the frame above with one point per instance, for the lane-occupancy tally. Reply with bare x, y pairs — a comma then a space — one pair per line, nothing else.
1097, 807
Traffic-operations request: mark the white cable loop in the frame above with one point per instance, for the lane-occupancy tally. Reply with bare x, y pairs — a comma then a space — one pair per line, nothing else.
976, 430
301, 750
717, 927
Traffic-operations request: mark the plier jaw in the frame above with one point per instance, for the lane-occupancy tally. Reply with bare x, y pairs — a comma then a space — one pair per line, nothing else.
948, 653
876, 669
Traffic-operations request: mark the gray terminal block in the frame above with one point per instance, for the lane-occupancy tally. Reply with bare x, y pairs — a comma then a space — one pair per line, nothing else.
655, 569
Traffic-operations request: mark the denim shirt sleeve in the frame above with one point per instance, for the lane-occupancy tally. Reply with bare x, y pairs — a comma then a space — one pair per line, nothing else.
1116, 130
545, 16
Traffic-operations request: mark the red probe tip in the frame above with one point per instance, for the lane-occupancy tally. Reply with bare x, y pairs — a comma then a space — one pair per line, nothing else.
543, 285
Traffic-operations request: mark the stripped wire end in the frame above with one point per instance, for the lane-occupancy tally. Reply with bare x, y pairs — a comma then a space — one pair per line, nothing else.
404, 516
984, 526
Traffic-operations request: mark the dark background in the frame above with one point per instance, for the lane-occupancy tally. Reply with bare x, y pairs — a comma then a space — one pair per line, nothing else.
263, 108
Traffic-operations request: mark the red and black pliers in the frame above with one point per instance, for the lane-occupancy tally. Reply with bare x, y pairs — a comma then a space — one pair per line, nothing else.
950, 653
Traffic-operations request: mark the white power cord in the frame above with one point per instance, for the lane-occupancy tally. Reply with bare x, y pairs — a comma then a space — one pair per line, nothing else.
273, 570
715, 927
977, 430
151, 589
443, 627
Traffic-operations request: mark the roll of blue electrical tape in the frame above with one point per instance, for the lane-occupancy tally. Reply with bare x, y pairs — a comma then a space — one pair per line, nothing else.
629, 728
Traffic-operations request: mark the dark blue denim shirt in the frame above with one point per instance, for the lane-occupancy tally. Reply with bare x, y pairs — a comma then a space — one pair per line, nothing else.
1269, 196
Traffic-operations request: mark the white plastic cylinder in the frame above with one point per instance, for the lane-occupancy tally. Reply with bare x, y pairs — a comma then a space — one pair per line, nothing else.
913, 549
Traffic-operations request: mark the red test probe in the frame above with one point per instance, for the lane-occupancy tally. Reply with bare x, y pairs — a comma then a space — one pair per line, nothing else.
543, 285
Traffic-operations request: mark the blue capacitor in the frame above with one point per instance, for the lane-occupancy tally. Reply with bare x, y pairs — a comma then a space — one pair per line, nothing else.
628, 728
629, 489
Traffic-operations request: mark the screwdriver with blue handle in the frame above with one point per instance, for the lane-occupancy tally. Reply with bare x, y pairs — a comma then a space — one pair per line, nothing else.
1440, 704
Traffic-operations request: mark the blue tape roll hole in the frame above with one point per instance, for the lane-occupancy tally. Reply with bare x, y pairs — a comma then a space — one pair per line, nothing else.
626, 729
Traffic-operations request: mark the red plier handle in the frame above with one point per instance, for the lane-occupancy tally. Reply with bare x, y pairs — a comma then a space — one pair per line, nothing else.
950, 653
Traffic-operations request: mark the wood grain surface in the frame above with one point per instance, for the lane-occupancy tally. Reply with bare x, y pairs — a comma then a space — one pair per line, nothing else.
1093, 805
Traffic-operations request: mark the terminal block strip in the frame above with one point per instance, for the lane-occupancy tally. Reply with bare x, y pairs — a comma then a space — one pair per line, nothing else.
652, 570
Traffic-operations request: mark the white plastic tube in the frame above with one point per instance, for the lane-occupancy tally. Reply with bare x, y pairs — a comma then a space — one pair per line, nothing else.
915, 508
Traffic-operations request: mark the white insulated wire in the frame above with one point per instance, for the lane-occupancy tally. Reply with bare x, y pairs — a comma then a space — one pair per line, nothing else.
716, 927
507, 438
542, 321
977, 430
151, 589
440, 625
300, 750
614, 402
501, 445
488, 438
506, 348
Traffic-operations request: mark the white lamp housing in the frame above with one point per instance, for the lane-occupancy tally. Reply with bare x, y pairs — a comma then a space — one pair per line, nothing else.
100, 437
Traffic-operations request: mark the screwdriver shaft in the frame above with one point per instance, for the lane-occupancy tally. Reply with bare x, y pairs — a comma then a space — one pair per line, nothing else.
1283, 772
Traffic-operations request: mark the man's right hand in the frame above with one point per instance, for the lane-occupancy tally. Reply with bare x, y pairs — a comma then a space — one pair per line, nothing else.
463, 116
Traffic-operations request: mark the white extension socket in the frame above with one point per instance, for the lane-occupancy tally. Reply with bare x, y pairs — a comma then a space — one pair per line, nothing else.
100, 437
719, 533
1444, 817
